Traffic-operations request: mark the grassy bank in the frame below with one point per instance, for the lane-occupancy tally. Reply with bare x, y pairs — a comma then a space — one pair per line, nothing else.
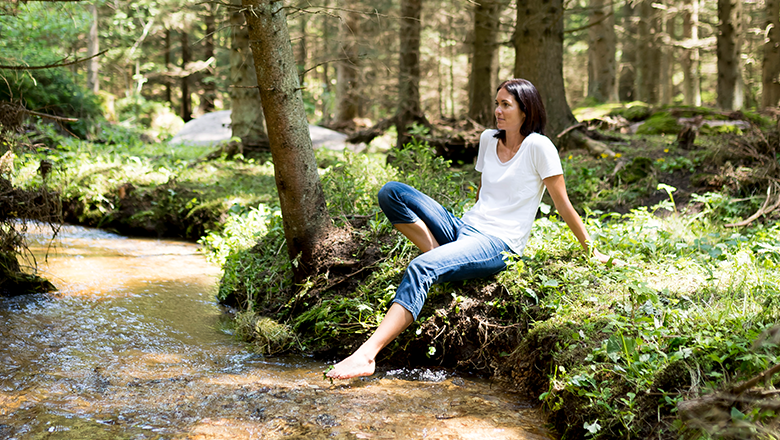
652, 348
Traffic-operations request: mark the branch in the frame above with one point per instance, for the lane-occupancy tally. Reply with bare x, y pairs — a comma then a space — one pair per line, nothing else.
739, 389
760, 212
51, 66
589, 25
44, 115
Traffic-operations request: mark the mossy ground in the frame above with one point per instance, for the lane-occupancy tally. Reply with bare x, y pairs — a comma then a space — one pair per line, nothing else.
610, 351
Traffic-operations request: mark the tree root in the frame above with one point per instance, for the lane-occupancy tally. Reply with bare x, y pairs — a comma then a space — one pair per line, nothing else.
763, 211
581, 140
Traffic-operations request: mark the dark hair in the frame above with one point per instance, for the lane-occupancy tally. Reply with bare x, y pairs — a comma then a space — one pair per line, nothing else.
530, 103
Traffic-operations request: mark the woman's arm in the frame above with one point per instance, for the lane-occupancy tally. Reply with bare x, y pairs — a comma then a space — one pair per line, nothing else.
556, 186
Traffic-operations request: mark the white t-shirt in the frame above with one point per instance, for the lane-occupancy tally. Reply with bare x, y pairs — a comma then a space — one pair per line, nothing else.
511, 191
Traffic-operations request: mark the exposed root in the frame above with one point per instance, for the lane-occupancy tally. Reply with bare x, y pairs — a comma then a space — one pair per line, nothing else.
764, 209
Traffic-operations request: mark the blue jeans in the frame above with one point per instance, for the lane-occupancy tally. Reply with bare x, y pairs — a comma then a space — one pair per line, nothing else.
463, 253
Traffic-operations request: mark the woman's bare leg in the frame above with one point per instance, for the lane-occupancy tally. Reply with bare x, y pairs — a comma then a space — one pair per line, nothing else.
362, 362
419, 234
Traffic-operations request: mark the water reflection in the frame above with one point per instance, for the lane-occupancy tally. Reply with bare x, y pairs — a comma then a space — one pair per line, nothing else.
131, 347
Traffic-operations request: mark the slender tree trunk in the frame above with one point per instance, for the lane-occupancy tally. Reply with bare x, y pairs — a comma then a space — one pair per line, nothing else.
247, 120
539, 48
666, 51
93, 47
409, 70
730, 85
327, 89
347, 68
301, 50
601, 51
690, 57
167, 55
626, 89
482, 86
207, 77
186, 103
647, 66
771, 68
304, 212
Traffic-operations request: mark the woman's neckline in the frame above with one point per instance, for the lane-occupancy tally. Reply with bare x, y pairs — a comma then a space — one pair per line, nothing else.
520, 147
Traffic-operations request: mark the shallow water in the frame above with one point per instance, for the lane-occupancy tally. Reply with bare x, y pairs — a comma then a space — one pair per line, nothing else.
133, 346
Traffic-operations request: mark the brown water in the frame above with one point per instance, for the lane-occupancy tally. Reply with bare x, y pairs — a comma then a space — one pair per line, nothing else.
133, 346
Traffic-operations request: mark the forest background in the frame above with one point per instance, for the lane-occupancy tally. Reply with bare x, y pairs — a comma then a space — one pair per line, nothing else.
611, 352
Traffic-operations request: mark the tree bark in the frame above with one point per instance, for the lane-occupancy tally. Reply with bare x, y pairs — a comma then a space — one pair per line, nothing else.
729, 40
409, 110
93, 48
326, 85
302, 54
647, 66
690, 57
666, 52
186, 102
347, 68
601, 51
207, 78
167, 57
771, 67
247, 120
482, 86
539, 59
626, 89
304, 212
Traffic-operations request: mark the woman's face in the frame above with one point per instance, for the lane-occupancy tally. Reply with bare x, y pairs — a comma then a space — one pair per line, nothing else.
509, 117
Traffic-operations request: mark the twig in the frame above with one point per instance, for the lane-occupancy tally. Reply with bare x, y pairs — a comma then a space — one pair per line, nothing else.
44, 115
741, 388
51, 66
573, 127
760, 212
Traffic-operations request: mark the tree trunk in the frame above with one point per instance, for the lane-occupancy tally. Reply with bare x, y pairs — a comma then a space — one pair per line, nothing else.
186, 103
409, 70
302, 54
666, 52
539, 59
207, 77
647, 66
326, 86
771, 68
167, 56
347, 68
482, 88
690, 57
626, 89
247, 120
730, 86
93, 47
601, 51
304, 212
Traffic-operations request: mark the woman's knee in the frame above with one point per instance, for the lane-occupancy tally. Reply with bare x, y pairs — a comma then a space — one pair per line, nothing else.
390, 195
389, 191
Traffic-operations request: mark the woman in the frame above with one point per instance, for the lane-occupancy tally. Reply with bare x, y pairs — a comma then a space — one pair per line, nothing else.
517, 162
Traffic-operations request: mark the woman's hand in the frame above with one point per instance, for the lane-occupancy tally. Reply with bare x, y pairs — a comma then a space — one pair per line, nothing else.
606, 259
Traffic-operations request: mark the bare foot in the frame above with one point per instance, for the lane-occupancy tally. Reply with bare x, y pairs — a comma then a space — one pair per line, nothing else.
356, 365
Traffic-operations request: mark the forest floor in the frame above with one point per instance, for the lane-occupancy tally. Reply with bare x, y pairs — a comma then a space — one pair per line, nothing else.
655, 347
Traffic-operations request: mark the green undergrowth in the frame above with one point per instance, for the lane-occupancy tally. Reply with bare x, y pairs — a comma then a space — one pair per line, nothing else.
689, 314
138, 188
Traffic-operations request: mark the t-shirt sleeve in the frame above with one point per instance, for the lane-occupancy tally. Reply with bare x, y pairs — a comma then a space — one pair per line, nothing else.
546, 158
484, 144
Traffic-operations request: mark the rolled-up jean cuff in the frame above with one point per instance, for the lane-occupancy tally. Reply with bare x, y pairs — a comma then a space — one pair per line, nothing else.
415, 313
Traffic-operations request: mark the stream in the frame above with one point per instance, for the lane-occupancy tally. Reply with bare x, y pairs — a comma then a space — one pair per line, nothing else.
134, 346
